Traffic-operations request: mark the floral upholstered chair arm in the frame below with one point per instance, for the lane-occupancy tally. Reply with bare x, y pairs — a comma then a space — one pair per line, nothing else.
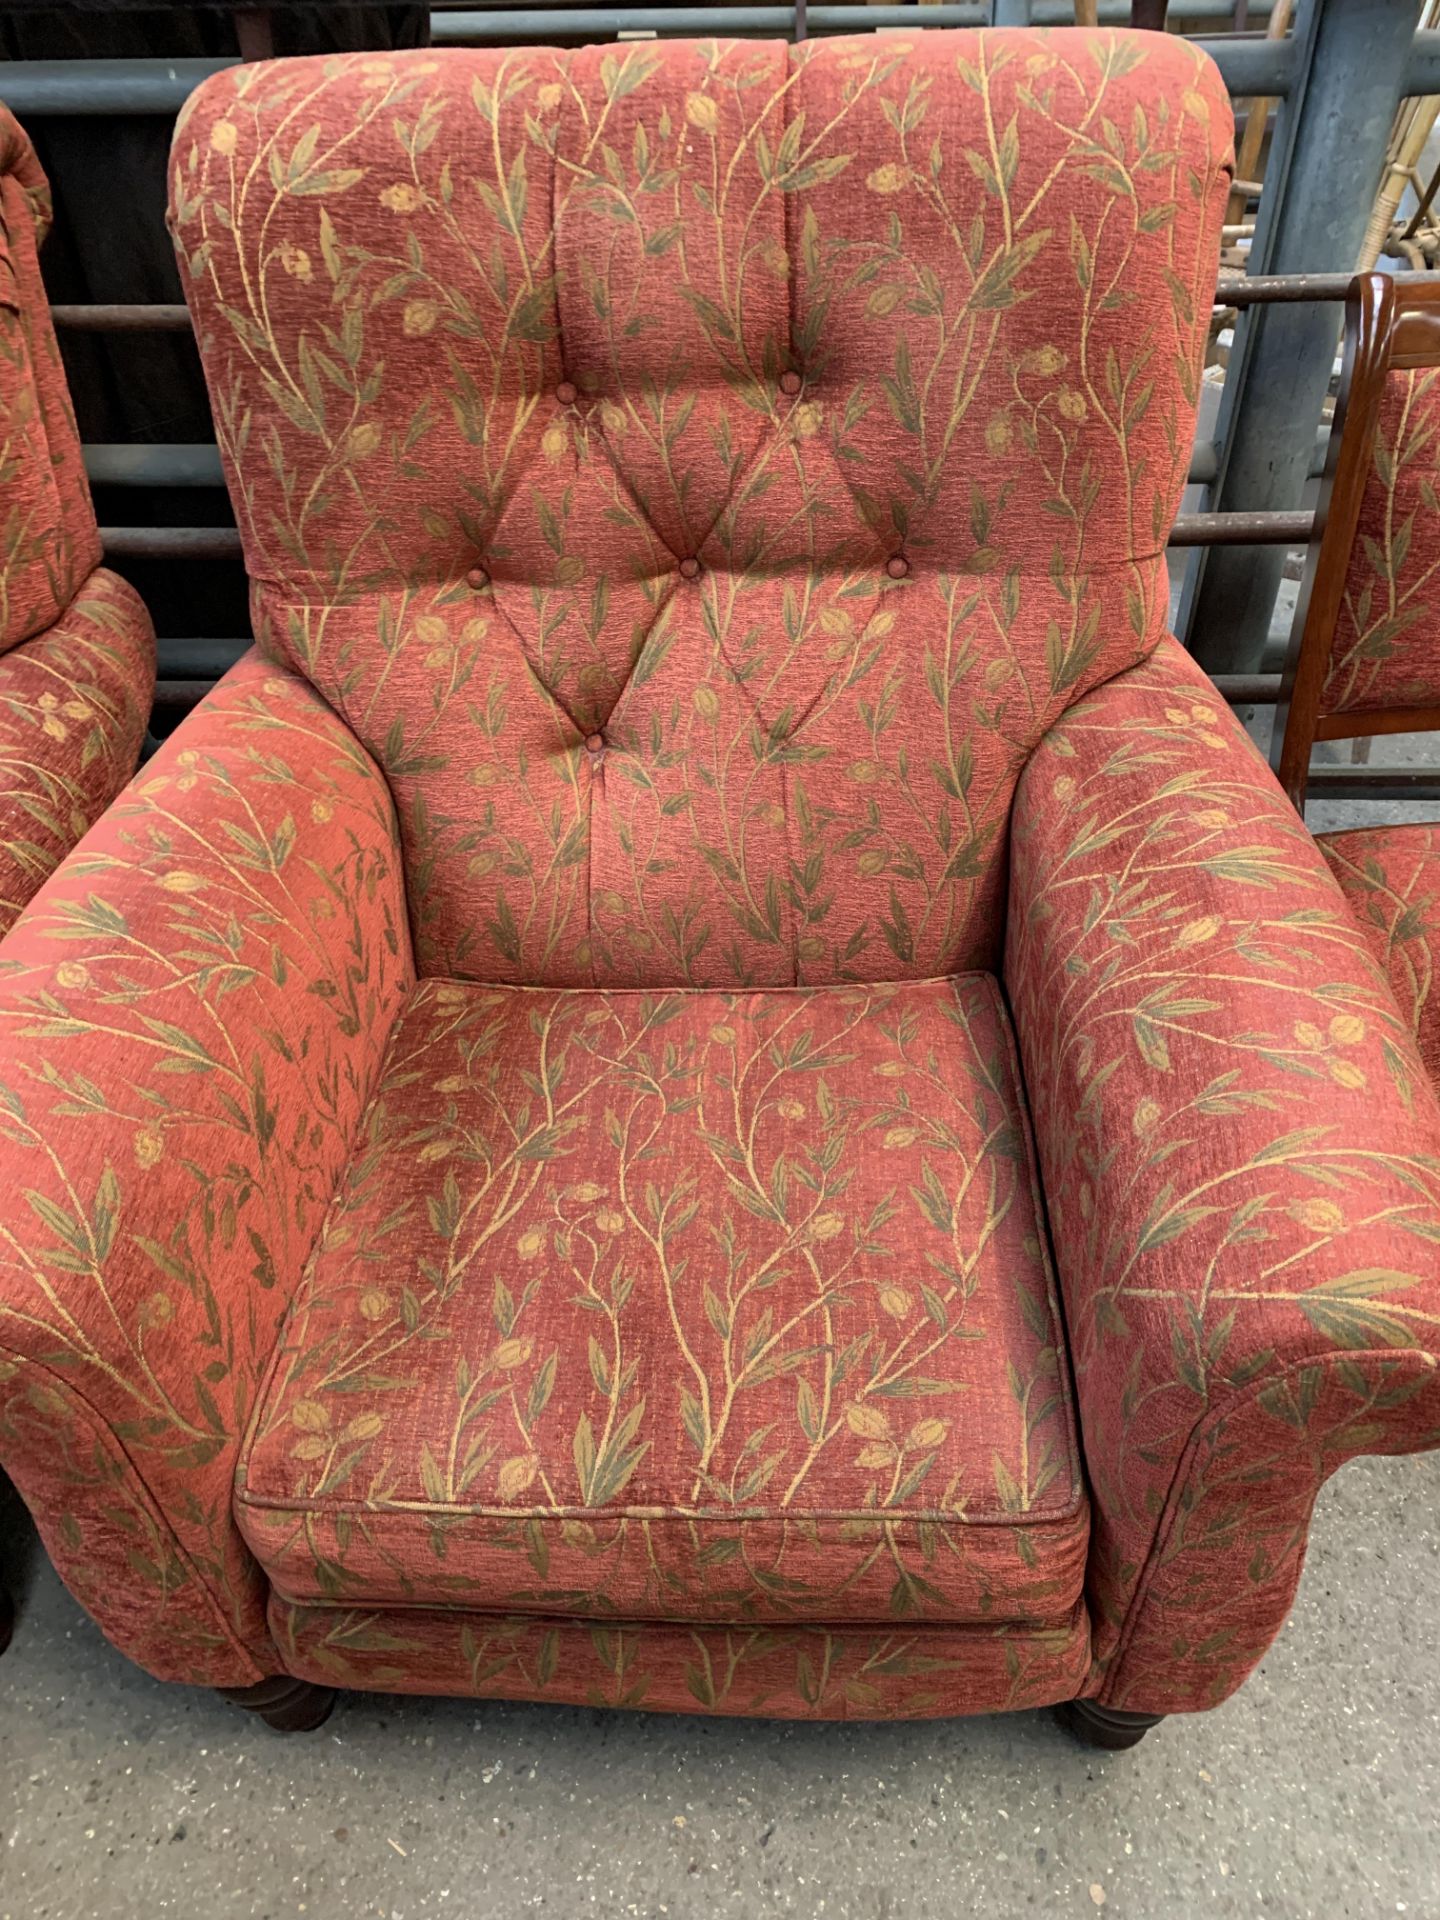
192, 1012
73, 705
1241, 1159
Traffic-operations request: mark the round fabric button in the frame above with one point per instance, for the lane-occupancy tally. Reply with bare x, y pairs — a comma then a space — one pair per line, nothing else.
567, 393
477, 578
791, 383
595, 743
897, 566
689, 568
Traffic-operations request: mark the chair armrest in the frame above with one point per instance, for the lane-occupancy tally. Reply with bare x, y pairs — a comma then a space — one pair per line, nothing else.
1241, 1162
73, 705
192, 1013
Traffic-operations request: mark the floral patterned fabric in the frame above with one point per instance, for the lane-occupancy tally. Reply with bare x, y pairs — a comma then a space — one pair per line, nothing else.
1391, 877
1386, 646
1240, 1154
77, 653
49, 543
807, 1673
700, 473
192, 1011
706, 509
73, 706
702, 1307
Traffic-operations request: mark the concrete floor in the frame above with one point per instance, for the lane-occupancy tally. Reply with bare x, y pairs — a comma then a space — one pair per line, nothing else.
1313, 1793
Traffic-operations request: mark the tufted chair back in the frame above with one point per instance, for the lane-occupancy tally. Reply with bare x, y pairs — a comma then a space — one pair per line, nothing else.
700, 473
49, 542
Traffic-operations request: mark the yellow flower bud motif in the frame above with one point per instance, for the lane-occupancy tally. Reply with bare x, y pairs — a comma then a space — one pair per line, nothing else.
706, 702
547, 98
891, 178
614, 419
513, 1353
310, 1416
403, 197
865, 772
224, 137
866, 1421
72, 973
998, 433
517, 1474
896, 1302
874, 861
321, 811
807, 419
1196, 103
900, 1137
702, 113
157, 1311
364, 1426
419, 318
609, 1221
1046, 359
296, 261
1212, 818
530, 1243
1321, 1216
374, 1305
182, 882
723, 1036
364, 439
879, 1453
1072, 404
1195, 933
927, 1433
555, 441
1145, 1116
587, 1192
825, 1226
883, 301
1345, 1073
1347, 1029
149, 1146
1307, 1034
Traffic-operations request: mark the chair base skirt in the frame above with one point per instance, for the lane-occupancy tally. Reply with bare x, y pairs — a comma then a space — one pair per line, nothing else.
894, 1671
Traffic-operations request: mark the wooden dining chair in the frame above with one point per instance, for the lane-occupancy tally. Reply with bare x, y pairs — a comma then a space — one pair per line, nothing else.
1364, 655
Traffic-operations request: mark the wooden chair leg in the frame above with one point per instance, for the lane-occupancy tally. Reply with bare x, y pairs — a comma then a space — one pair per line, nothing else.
284, 1704
1110, 1728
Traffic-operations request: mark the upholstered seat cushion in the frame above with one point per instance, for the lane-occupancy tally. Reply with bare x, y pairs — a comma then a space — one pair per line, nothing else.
1391, 877
691, 1306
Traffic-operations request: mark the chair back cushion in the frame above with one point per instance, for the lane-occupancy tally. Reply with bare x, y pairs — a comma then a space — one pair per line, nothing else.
48, 539
700, 472
1386, 650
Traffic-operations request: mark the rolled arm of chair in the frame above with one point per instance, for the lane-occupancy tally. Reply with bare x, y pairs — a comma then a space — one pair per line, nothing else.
1241, 1161
73, 705
192, 1013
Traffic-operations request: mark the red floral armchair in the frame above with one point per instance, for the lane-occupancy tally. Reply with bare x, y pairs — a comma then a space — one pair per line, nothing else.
716, 1079
77, 652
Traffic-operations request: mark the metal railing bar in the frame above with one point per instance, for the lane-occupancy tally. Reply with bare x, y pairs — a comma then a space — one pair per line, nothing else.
118, 316
178, 463
1249, 689
171, 543
34, 88
1374, 783
1242, 529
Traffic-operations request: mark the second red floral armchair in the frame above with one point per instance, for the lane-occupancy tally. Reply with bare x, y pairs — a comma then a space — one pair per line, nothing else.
77, 651
717, 1079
